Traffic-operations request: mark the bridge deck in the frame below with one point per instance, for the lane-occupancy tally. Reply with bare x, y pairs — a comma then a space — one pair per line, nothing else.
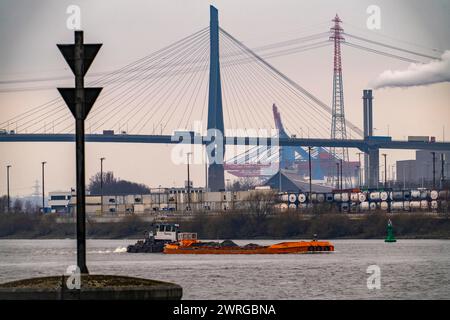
168, 139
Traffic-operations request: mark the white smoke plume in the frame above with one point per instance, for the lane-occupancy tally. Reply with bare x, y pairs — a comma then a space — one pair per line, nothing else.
435, 71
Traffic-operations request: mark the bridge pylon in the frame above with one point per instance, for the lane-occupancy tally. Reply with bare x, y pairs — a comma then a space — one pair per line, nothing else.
216, 173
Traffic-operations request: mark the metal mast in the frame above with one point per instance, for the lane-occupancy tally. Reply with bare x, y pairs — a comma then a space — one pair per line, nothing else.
338, 128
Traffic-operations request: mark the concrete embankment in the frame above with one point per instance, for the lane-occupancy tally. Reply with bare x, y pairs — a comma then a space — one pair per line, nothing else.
93, 287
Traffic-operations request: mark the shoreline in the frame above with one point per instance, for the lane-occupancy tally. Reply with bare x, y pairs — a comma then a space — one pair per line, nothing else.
253, 239
238, 226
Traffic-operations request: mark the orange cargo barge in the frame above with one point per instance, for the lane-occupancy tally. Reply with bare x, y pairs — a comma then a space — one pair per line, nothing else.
190, 245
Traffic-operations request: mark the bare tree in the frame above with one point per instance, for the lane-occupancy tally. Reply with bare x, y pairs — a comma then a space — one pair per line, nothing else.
115, 186
244, 184
261, 203
17, 205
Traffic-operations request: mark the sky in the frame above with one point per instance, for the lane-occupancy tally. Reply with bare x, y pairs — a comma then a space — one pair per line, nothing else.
130, 30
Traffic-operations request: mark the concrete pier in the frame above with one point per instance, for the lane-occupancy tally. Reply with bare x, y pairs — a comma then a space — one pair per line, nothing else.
93, 287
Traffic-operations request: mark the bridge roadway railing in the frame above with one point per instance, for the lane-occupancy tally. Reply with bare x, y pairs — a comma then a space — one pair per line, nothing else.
361, 144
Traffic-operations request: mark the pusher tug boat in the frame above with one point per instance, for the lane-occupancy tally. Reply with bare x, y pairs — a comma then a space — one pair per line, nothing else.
156, 238
189, 244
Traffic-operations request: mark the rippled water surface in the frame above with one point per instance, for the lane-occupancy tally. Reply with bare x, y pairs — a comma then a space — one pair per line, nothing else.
410, 269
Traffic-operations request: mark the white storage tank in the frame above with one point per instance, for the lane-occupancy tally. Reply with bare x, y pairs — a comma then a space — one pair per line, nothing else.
285, 197
384, 195
329, 197
320, 197
397, 196
406, 205
364, 206
434, 204
415, 194
373, 206
345, 197
292, 198
434, 195
292, 206
424, 204
384, 205
362, 197
354, 197
414, 204
337, 197
397, 205
302, 197
423, 195
374, 196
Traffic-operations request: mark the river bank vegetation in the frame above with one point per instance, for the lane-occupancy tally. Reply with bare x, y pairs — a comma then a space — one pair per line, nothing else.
240, 226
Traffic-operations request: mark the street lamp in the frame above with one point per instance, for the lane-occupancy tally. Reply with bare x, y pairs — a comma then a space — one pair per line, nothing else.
188, 182
359, 168
434, 169
385, 170
7, 186
337, 175
101, 183
310, 174
43, 185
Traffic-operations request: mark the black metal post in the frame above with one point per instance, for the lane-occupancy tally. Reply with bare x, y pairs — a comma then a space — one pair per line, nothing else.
80, 153
43, 185
337, 175
101, 183
434, 169
442, 170
79, 56
7, 187
189, 183
385, 170
310, 172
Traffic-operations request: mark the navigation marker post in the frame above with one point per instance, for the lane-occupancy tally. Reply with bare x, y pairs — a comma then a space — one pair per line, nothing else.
80, 100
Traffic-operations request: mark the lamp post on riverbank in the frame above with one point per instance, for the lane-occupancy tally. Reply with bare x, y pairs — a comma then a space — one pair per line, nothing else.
43, 185
7, 187
101, 183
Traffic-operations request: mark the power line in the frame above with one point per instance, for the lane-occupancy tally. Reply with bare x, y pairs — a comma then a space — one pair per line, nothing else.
390, 47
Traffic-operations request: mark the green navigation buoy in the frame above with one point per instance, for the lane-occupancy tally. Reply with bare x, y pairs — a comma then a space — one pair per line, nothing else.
390, 233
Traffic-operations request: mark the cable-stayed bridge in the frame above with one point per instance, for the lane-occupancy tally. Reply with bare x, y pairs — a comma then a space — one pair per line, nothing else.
211, 80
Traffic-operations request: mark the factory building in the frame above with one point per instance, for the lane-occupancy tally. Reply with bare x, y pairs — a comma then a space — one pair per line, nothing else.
285, 181
166, 200
420, 170
58, 201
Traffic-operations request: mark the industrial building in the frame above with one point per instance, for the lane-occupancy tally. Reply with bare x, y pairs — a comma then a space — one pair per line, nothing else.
58, 201
286, 181
420, 170
165, 200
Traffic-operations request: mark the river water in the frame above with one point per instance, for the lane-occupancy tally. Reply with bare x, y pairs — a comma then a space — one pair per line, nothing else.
410, 269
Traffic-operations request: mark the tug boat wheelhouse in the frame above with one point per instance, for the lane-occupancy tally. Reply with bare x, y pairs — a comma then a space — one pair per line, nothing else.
156, 239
